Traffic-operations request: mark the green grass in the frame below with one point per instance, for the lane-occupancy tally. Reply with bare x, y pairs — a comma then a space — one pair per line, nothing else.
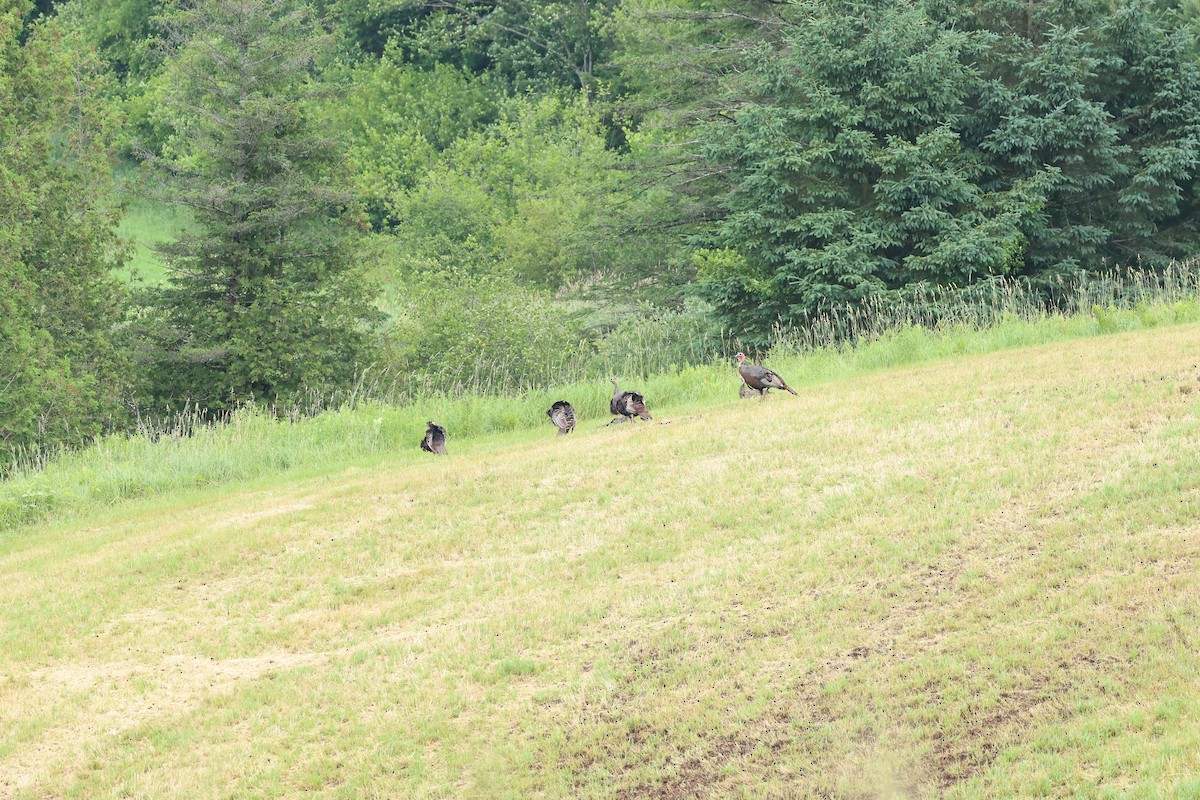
946, 569
255, 445
147, 223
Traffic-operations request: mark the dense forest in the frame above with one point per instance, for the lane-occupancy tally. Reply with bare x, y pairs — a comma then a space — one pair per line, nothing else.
491, 194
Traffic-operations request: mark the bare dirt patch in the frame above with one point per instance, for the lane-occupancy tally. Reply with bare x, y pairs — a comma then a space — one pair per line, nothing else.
958, 758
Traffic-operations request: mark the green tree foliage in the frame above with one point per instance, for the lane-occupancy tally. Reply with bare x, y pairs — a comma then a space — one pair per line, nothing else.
683, 61
683, 64
266, 298
851, 173
62, 377
529, 44
120, 30
455, 331
1110, 97
531, 196
887, 145
398, 118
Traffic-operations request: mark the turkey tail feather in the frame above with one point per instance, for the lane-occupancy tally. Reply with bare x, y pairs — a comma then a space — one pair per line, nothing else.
435, 440
638, 405
562, 414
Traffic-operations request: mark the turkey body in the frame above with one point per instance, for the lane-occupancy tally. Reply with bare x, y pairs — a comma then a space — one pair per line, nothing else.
563, 417
760, 378
627, 405
435, 439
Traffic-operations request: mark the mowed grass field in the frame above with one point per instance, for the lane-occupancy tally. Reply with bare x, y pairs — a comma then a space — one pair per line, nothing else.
976, 577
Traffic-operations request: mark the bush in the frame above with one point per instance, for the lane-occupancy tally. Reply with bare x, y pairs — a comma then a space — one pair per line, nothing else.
398, 118
456, 333
529, 195
656, 340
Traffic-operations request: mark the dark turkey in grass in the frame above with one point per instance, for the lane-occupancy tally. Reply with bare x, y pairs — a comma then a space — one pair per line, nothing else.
627, 405
563, 417
435, 439
760, 378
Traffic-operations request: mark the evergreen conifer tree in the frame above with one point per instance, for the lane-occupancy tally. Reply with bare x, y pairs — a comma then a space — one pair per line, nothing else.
63, 379
265, 298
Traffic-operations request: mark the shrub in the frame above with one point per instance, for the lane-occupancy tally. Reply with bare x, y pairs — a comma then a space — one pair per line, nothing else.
456, 333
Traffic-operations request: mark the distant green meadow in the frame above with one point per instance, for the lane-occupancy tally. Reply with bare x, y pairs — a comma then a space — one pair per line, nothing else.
147, 223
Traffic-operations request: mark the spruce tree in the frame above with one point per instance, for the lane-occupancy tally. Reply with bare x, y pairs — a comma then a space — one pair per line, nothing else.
850, 172
878, 147
265, 297
1109, 96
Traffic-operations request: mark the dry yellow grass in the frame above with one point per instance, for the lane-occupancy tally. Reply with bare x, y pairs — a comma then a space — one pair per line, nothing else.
972, 578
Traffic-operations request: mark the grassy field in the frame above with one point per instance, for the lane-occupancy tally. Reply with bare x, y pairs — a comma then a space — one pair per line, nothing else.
256, 445
973, 577
146, 224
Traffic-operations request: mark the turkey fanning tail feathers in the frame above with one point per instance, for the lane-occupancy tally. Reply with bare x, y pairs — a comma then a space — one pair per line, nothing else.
761, 378
563, 417
627, 405
435, 439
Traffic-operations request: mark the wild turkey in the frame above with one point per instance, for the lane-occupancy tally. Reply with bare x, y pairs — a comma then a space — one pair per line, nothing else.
745, 392
435, 440
627, 405
563, 417
760, 378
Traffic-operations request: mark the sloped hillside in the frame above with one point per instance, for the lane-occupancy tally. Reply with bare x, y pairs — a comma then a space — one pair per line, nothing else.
972, 578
